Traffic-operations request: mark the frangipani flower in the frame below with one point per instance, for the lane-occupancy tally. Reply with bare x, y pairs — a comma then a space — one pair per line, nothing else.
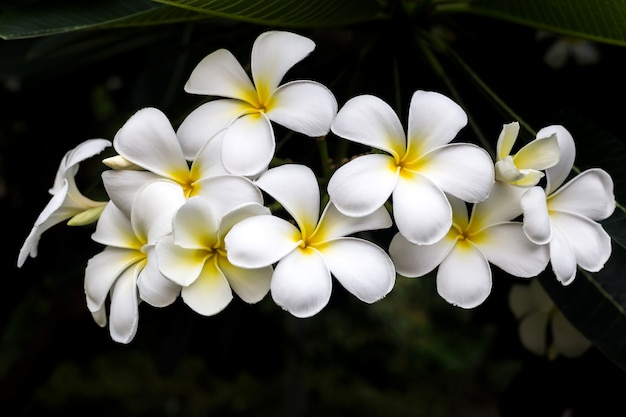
249, 107
565, 217
471, 244
524, 168
307, 254
537, 313
67, 201
416, 170
129, 257
582, 51
194, 256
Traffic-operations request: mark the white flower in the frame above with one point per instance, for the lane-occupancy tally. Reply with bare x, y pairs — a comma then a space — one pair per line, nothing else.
248, 107
582, 51
307, 254
129, 257
194, 256
524, 168
67, 201
416, 170
463, 255
566, 217
537, 313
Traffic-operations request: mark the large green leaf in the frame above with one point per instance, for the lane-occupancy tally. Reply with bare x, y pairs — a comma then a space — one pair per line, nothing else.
598, 20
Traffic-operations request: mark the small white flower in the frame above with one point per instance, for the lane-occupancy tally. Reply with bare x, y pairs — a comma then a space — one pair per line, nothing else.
564, 48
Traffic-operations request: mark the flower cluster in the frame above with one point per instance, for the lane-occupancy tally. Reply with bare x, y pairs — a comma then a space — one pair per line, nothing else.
202, 211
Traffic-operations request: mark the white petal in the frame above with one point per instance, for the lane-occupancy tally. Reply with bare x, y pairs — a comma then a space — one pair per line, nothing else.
301, 283
154, 288
251, 285
421, 210
122, 186
305, 107
461, 169
589, 194
506, 246
115, 229
568, 340
124, 315
506, 140
557, 174
464, 276
210, 293
225, 192
532, 332
539, 154
248, 145
562, 258
180, 265
154, 209
537, 225
334, 224
196, 225
502, 205
434, 120
260, 241
413, 260
506, 171
370, 121
363, 185
238, 214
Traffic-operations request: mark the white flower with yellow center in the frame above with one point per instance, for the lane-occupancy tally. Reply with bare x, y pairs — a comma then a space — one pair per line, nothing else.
248, 107
194, 257
524, 169
416, 170
309, 253
67, 201
463, 256
566, 217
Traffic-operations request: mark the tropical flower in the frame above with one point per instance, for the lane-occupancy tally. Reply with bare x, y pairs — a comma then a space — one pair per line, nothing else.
566, 217
307, 254
67, 201
248, 107
539, 317
417, 170
129, 257
563, 48
194, 257
524, 168
463, 256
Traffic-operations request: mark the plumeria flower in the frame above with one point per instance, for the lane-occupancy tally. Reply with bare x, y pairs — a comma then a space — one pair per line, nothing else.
309, 253
248, 107
129, 256
416, 170
566, 216
463, 256
564, 48
524, 169
539, 317
67, 201
194, 256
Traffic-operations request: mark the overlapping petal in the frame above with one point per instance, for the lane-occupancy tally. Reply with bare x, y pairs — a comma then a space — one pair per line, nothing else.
251, 285
226, 192
334, 224
537, 224
413, 260
562, 258
154, 209
506, 140
154, 287
541, 153
248, 145
502, 205
122, 186
589, 194
557, 174
181, 265
210, 293
124, 309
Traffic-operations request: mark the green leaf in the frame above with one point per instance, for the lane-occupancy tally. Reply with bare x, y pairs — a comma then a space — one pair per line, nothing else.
597, 20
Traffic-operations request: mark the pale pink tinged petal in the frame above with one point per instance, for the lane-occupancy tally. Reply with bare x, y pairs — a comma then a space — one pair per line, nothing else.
154, 209
208, 161
220, 74
506, 140
154, 288
363, 268
226, 192
205, 122
251, 285
239, 213
541, 153
302, 283
370, 121
413, 260
296, 188
464, 276
567, 339
557, 174
102, 271
520, 300
363, 185
532, 332
590, 243
195, 225
334, 224
537, 225
148, 140
114, 229
589, 194
421, 210
305, 107
506, 246
181, 266
122, 186
463, 170
260, 241
562, 258
210, 293
248, 145
502, 205
273, 54
434, 120
124, 315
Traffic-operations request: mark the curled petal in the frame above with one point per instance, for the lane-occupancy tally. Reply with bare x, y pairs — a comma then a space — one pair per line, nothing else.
557, 174
122, 186
248, 145
589, 194
302, 283
334, 224
506, 171
251, 285
180, 265
562, 258
124, 315
506, 140
154, 288
537, 225
413, 260
210, 293
539, 154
